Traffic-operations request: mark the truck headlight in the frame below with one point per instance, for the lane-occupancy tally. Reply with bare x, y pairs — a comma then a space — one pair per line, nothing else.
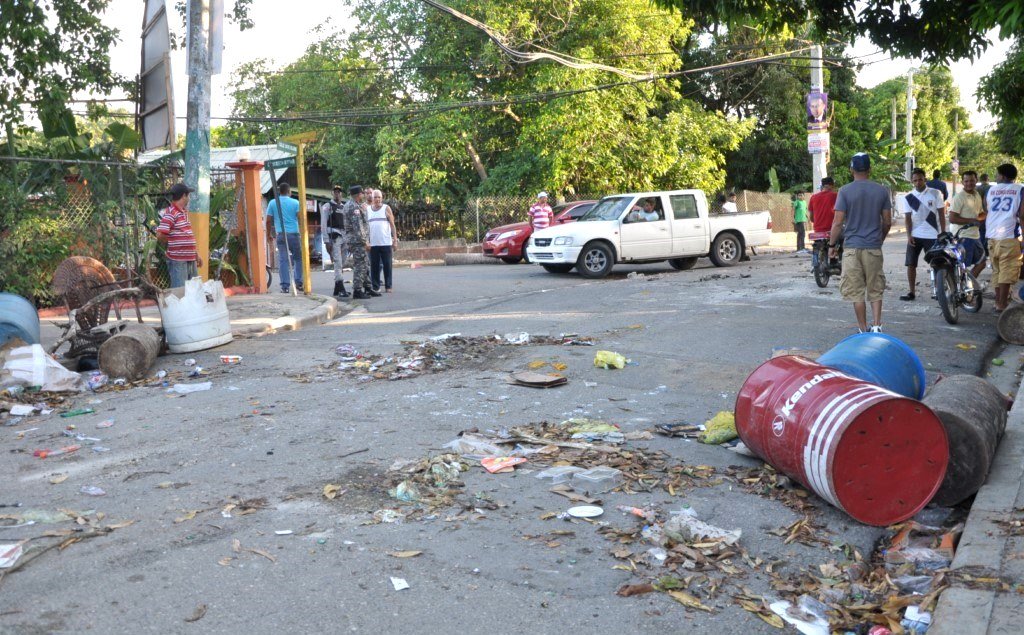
563, 240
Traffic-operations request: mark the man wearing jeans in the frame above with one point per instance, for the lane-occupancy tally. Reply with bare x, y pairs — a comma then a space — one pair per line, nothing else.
286, 227
175, 233
865, 208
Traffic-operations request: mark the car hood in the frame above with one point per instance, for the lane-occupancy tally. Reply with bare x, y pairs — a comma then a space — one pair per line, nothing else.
508, 228
581, 231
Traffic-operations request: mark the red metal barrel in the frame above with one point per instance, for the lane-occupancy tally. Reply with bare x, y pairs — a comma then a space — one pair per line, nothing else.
876, 455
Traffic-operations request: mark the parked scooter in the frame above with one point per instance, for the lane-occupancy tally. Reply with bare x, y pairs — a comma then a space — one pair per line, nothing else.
954, 285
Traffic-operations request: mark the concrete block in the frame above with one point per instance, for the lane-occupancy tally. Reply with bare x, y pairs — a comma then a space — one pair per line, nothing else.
982, 543
962, 612
1007, 614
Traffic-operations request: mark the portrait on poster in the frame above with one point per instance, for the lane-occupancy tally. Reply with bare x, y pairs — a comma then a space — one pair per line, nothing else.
817, 110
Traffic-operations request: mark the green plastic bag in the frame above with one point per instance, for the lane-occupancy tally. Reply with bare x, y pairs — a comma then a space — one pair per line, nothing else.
608, 359
719, 429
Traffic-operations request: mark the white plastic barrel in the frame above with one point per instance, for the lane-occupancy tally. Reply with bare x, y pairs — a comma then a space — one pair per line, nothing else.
195, 316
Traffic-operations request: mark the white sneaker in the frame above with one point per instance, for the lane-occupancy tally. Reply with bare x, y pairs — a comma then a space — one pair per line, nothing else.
877, 328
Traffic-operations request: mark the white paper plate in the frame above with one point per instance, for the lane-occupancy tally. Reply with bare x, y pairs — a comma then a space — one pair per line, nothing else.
585, 511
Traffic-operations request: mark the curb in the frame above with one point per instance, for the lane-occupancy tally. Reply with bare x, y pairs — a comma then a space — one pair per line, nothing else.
470, 259
984, 545
326, 312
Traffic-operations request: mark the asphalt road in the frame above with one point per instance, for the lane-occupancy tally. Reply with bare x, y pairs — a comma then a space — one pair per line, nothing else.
277, 427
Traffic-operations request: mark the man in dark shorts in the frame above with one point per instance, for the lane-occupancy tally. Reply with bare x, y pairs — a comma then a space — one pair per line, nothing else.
924, 209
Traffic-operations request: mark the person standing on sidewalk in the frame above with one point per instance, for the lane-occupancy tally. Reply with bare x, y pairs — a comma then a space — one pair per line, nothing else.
967, 210
541, 215
284, 224
799, 220
383, 240
333, 222
1004, 214
175, 232
924, 211
357, 235
865, 209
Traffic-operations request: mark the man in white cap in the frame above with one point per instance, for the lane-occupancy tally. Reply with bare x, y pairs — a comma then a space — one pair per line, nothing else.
541, 215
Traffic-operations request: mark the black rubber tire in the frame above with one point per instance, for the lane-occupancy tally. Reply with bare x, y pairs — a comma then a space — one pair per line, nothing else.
822, 272
595, 260
526, 258
726, 250
973, 304
945, 293
558, 268
682, 264
511, 260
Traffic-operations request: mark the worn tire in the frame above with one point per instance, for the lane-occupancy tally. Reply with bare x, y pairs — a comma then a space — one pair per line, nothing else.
512, 260
596, 260
682, 264
558, 268
726, 250
946, 287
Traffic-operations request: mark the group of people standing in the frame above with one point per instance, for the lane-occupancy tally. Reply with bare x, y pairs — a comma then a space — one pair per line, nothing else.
861, 219
363, 228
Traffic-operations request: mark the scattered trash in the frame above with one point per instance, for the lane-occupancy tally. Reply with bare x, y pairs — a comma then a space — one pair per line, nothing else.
517, 338
92, 490
9, 554
608, 360
593, 430
406, 492
57, 479
399, 583
967, 347
444, 336
916, 621
501, 464
404, 554
597, 480
536, 380
100, 448
998, 361
197, 371
42, 454
687, 528
809, 616
684, 430
388, 516
190, 362
719, 429
331, 491
31, 366
585, 511
347, 351
105, 423
96, 380
231, 359
77, 412
636, 275
473, 446
22, 410
283, 532
197, 614
566, 491
928, 548
560, 473
185, 389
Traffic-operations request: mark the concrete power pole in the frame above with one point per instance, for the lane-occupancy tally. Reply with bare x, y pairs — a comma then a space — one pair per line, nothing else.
894, 134
911, 105
197, 126
819, 165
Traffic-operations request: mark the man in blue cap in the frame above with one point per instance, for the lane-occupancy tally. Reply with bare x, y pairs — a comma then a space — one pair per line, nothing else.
865, 208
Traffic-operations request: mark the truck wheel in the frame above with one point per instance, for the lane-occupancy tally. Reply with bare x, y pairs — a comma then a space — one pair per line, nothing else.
511, 260
726, 251
595, 261
682, 264
558, 268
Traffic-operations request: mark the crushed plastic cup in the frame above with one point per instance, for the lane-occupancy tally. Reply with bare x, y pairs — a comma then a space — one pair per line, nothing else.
185, 389
560, 473
92, 490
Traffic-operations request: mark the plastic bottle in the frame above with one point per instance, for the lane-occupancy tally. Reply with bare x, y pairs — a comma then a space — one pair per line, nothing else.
92, 490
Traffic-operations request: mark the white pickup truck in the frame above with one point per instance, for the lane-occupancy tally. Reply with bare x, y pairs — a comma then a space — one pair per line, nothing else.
648, 227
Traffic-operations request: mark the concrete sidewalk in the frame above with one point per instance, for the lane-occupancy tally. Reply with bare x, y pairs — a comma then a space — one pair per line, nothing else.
250, 314
986, 550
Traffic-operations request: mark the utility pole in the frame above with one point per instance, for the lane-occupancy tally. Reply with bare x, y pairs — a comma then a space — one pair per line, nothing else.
911, 105
197, 126
956, 148
894, 135
819, 167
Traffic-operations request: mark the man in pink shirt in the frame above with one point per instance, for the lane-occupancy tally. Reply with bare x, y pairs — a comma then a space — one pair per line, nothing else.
541, 215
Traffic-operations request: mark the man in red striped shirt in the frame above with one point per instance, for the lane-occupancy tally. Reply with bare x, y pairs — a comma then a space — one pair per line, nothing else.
541, 215
175, 233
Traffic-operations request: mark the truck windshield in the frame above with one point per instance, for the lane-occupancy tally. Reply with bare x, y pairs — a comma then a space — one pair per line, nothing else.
608, 208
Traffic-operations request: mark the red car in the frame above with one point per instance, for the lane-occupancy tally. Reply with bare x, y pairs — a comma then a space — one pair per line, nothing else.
506, 242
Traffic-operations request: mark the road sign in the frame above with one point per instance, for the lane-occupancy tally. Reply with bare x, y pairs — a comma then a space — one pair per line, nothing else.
277, 164
290, 148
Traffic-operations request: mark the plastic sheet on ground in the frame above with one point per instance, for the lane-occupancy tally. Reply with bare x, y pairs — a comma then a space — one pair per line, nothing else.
808, 615
31, 366
608, 360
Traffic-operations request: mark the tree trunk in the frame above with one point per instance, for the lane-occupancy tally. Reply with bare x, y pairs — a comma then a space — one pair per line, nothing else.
130, 353
481, 169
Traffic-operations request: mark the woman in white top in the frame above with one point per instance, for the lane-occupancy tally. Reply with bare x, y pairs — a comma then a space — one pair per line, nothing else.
383, 240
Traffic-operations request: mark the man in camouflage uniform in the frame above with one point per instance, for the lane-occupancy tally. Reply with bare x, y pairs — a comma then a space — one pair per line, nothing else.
357, 234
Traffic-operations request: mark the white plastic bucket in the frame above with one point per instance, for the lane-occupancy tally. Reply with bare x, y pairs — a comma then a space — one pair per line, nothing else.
195, 316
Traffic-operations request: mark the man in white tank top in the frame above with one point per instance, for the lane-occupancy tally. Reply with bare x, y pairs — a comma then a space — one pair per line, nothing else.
383, 240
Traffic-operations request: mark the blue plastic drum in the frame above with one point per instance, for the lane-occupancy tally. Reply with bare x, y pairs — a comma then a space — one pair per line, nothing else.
880, 359
18, 318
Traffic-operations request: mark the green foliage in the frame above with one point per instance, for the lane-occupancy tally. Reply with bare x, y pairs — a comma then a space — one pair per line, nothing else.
30, 250
981, 152
1001, 92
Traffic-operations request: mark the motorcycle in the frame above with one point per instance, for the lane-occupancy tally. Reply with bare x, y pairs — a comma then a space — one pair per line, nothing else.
953, 282
823, 266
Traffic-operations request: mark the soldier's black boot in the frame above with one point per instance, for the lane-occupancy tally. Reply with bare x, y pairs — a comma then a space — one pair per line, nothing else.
339, 289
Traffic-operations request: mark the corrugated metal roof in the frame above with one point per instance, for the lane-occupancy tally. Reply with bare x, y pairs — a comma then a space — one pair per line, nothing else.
220, 157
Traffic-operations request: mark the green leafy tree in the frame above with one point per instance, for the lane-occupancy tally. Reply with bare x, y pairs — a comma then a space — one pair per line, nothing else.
1001, 91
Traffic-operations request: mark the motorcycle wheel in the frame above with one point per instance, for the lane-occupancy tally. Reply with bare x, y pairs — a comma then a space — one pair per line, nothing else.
947, 295
821, 269
972, 300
